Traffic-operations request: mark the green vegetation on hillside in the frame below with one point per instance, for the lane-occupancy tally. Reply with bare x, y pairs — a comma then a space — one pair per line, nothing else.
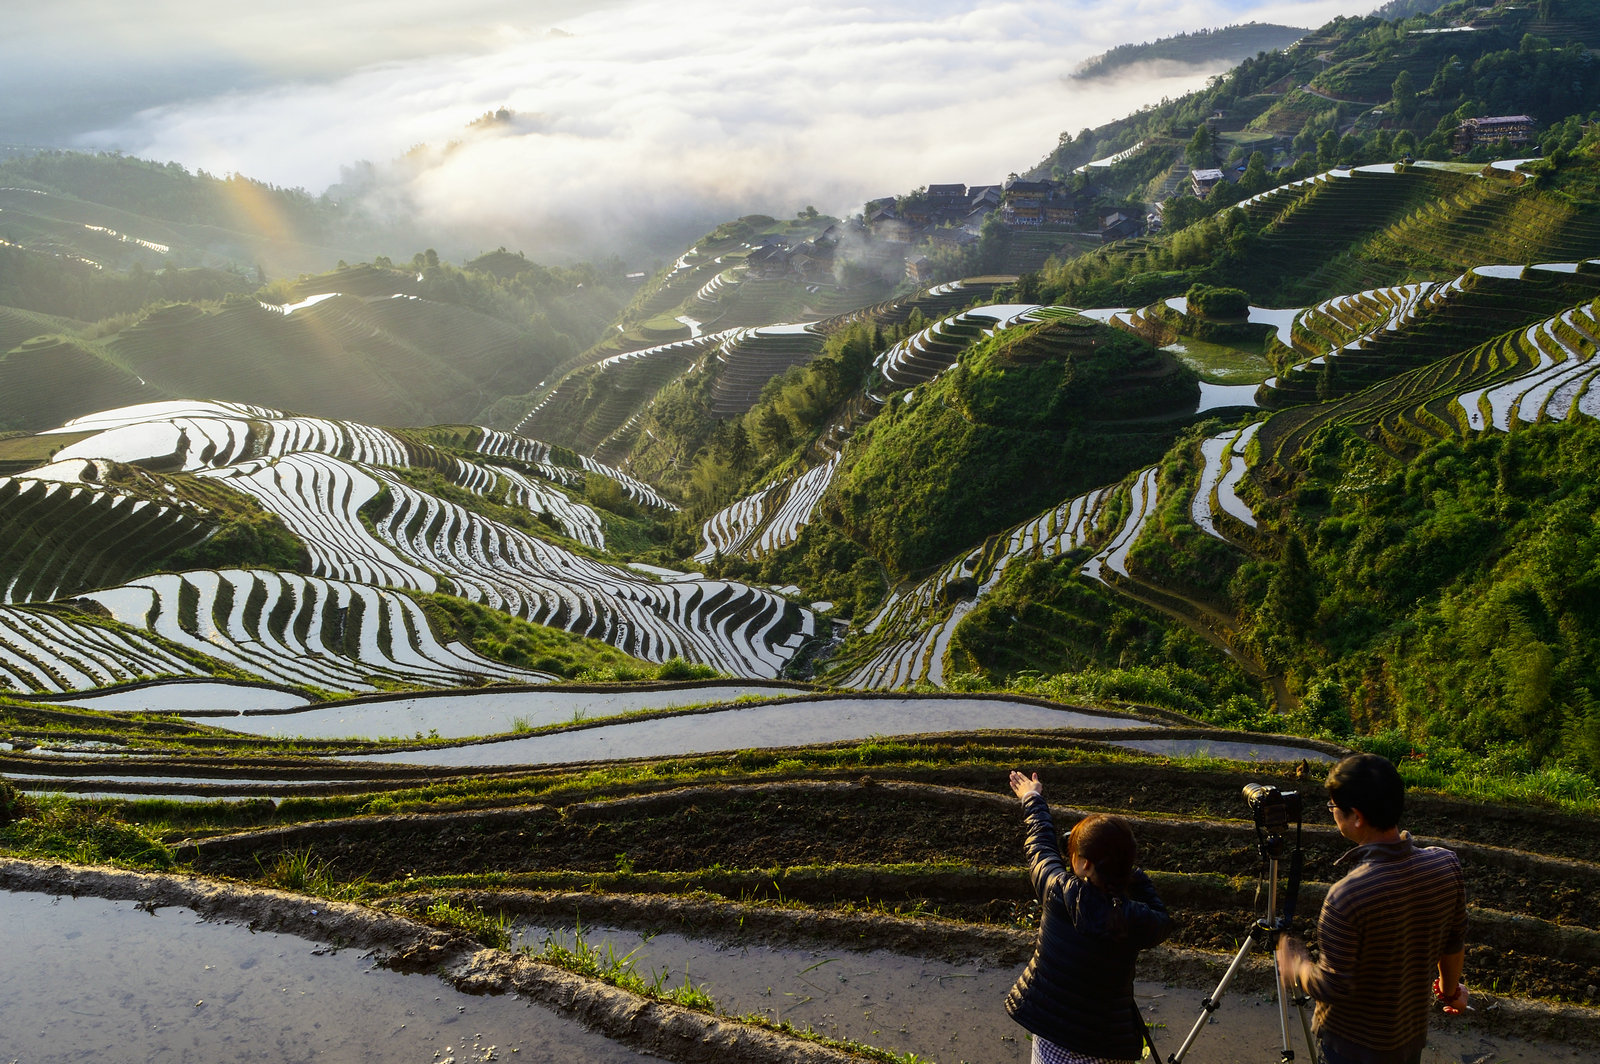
75, 290
1022, 421
1357, 90
97, 250
1227, 43
1452, 595
499, 636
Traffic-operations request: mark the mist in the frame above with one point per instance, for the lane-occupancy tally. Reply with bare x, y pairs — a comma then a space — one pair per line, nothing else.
628, 127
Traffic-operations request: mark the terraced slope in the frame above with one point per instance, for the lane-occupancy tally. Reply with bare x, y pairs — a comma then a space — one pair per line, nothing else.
390, 358
1481, 388
52, 651
772, 517
58, 539
593, 403
907, 640
341, 489
541, 456
1375, 226
301, 631
17, 326
748, 360
33, 373
1375, 335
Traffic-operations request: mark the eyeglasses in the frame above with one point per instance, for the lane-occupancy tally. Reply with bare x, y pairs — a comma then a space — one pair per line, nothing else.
1333, 806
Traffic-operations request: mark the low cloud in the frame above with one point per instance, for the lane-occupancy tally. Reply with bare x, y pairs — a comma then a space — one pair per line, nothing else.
636, 122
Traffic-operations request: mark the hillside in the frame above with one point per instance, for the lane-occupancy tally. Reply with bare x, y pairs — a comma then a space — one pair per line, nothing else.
1021, 421
1357, 90
430, 344
1227, 46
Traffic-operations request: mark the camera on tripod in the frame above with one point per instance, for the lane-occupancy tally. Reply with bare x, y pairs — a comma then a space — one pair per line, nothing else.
1274, 809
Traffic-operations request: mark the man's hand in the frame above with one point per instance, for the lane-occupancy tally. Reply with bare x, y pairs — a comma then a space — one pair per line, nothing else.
1022, 786
1292, 958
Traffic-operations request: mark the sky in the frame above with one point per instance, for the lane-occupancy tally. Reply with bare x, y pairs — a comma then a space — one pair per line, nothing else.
628, 116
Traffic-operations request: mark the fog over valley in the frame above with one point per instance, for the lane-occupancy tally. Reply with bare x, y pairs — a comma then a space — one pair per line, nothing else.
631, 126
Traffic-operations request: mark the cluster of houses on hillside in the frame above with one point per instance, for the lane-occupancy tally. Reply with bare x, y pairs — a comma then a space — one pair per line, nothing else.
809, 260
954, 215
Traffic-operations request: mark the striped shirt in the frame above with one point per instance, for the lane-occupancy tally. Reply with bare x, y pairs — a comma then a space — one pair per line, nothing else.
1383, 928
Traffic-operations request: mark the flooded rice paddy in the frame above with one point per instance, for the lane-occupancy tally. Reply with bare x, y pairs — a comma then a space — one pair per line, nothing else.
1222, 363
198, 697
108, 981
791, 723
460, 715
940, 1010
1223, 396
1231, 750
953, 1011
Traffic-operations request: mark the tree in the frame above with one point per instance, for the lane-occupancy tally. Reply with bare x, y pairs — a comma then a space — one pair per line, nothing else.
1180, 212
1291, 594
1202, 147
1405, 96
1255, 179
1328, 149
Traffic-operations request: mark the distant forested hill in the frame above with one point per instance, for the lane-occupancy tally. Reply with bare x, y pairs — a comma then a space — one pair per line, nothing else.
1229, 44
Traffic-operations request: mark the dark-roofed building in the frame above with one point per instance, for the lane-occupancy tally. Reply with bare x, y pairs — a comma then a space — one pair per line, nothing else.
1203, 181
1515, 130
1016, 186
1119, 226
887, 225
920, 269
983, 197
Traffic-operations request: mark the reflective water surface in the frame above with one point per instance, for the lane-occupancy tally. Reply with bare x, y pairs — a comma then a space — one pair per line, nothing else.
92, 980
460, 714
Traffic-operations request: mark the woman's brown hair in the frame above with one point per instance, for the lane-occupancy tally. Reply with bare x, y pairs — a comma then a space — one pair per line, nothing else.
1106, 842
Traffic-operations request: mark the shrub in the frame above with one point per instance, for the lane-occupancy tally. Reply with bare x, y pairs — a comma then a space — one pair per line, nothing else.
675, 668
1214, 302
10, 802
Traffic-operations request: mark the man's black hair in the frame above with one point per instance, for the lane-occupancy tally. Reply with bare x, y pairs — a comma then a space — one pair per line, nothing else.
1370, 783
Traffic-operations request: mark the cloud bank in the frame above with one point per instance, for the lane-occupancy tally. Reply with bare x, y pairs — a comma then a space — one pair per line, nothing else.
630, 118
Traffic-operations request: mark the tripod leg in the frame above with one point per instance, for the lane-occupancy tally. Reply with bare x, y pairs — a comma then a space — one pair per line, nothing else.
1287, 1056
1299, 998
1305, 1025
1214, 1002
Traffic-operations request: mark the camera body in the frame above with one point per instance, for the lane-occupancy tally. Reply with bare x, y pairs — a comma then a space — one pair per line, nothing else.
1274, 810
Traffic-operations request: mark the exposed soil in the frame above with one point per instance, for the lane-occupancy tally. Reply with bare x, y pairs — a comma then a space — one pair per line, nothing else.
1535, 933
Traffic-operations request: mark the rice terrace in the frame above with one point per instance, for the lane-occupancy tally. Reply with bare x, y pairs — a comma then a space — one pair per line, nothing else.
464, 657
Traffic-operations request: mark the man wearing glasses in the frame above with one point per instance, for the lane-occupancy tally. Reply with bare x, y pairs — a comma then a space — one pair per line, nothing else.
1396, 919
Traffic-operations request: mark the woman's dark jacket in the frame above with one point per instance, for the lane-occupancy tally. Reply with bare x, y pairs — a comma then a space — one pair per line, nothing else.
1077, 991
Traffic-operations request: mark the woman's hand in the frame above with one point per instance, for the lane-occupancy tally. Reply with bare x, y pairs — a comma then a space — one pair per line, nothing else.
1022, 786
1456, 1003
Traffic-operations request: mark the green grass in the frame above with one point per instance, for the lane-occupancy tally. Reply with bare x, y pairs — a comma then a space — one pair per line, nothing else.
302, 872
493, 930
602, 963
514, 641
1222, 363
58, 828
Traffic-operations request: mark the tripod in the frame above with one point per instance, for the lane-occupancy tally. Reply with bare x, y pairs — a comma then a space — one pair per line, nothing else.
1264, 932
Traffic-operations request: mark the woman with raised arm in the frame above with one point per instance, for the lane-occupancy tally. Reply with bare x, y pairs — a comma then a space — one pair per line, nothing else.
1097, 911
